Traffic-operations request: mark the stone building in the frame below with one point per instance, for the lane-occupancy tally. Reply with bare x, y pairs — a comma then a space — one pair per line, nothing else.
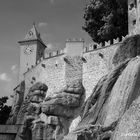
36, 64
58, 69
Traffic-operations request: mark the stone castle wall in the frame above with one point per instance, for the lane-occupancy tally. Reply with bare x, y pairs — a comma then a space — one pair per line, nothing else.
49, 71
54, 71
97, 64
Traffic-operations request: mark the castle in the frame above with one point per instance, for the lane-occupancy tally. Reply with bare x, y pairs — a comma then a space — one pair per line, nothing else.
57, 70
36, 64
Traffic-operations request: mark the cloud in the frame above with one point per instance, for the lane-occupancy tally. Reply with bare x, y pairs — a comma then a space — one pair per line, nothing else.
42, 24
50, 46
7, 90
55, 46
5, 77
44, 35
52, 1
14, 69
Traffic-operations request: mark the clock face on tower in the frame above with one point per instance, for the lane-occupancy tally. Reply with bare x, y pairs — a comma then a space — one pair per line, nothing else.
28, 50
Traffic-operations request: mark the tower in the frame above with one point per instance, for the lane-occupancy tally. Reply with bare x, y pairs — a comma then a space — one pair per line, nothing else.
31, 50
134, 17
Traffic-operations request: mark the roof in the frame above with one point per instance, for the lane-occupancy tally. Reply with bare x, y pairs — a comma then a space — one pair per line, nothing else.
33, 34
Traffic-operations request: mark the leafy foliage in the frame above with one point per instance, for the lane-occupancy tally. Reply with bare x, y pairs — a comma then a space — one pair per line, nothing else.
106, 19
4, 110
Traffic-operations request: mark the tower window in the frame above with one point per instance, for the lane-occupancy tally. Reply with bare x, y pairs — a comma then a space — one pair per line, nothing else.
43, 65
33, 78
131, 6
135, 2
134, 22
101, 55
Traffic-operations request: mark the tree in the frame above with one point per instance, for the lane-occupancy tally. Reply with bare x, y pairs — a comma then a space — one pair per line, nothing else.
4, 110
106, 19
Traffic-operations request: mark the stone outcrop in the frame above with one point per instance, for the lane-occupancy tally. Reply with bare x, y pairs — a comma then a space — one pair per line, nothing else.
18, 100
35, 96
112, 111
128, 49
49, 118
58, 111
30, 110
129, 126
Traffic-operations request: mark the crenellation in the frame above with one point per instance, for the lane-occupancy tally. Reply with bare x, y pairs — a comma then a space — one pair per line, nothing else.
123, 38
90, 47
74, 40
85, 49
42, 58
68, 40
46, 55
61, 51
77, 62
107, 43
81, 39
115, 41
102, 45
54, 53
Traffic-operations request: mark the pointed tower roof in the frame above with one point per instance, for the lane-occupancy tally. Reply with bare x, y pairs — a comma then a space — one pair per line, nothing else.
33, 34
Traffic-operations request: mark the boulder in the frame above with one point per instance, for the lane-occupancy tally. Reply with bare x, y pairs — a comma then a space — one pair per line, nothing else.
65, 105
129, 48
57, 110
39, 86
64, 99
113, 108
129, 125
34, 97
112, 111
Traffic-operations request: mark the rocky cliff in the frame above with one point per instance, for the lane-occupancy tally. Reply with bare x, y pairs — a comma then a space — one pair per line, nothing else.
112, 112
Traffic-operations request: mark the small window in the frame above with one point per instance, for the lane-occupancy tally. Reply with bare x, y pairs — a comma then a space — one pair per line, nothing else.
50, 54
95, 46
134, 22
57, 52
101, 55
131, 6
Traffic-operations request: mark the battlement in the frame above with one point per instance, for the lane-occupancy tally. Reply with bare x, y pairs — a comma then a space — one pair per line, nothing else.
53, 54
74, 40
74, 47
95, 46
71, 44
47, 56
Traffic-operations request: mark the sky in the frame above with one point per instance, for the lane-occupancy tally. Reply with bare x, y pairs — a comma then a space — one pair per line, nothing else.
56, 20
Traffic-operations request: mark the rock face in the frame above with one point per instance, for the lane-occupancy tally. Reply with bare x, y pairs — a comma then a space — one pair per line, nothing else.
35, 96
128, 49
61, 109
49, 118
129, 125
112, 111
16, 104
30, 110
